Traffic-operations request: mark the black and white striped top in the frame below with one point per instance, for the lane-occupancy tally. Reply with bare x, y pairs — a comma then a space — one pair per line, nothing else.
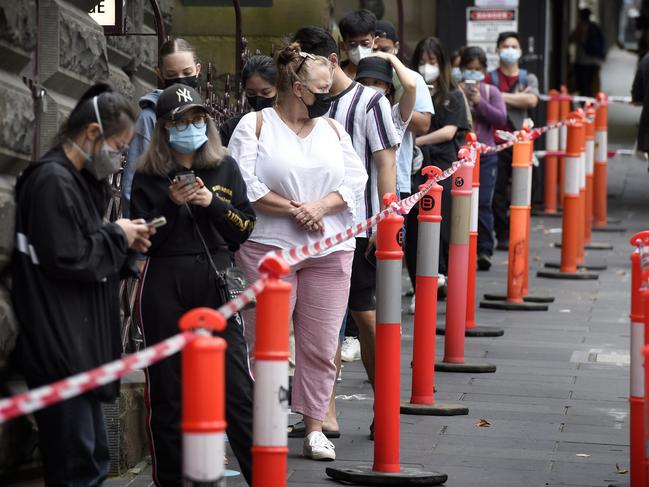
367, 118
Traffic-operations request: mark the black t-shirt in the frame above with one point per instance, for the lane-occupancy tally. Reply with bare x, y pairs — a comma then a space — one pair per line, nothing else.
227, 128
452, 112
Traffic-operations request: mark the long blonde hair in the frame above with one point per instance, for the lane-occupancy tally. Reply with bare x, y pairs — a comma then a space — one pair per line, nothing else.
158, 160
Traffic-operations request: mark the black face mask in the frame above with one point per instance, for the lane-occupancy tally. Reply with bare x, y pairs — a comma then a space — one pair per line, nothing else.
259, 102
320, 106
191, 81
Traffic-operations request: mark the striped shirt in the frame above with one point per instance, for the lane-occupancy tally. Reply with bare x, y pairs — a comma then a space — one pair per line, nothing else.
367, 118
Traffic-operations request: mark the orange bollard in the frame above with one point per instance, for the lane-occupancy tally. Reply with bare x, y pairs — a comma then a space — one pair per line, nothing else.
581, 222
270, 422
551, 163
590, 167
203, 399
458, 274
639, 332
564, 110
422, 399
600, 177
519, 231
645, 356
471, 329
387, 468
571, 230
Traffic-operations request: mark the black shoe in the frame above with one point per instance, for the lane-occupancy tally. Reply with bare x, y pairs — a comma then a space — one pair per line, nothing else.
503, 245
484, 262
372, 430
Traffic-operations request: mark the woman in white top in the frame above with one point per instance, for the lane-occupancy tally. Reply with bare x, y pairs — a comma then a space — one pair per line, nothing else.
303, 178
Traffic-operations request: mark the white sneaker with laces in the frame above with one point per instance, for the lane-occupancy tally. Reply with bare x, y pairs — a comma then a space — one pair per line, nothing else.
350, 351
318, 447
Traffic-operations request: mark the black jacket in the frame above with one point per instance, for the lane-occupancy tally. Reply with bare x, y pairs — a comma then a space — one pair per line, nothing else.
66, 270
640, 94
225, 224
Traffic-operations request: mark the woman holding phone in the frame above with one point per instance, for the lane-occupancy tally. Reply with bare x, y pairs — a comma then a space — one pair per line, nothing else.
186, 177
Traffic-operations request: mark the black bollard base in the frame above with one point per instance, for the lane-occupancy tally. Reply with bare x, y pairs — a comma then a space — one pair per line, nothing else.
609, 229
526, 299
476, 331
364, 475
543, 214
436, 409
587, 267
507, 306
466, 367
570, 276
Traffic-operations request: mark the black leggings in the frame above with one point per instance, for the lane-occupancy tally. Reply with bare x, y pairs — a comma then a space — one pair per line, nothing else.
170, 287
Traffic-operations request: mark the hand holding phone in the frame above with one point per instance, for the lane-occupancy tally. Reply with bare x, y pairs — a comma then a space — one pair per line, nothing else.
184, 178
157, 222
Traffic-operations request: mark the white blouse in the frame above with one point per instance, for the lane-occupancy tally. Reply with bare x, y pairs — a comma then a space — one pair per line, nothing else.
299, 169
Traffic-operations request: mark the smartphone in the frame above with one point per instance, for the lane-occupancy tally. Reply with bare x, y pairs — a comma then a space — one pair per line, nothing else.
470, 84
186, 177
157, 222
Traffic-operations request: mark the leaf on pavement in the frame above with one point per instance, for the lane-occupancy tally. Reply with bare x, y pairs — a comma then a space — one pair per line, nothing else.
483, 423
621, 471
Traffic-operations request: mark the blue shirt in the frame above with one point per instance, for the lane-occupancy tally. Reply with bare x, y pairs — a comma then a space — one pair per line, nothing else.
423, 104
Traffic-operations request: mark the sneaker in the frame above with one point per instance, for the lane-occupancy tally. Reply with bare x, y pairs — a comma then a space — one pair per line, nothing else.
441, 287
411, 308
350, 351
317, 447
484, 262
339, 377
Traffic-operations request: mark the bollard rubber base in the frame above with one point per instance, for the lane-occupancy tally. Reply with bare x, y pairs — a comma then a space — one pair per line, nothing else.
476, 331
543, 214
590, 246
574, 276
587, 267
526, 299
608, 229
507, 306
364, 475
437, 409
466, 368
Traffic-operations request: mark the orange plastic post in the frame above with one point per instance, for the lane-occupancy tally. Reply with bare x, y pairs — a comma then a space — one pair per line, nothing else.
581, 222
564, 110
601, 157
270, 422
552, 161
203, 399
645, 356
473, 238
590, 159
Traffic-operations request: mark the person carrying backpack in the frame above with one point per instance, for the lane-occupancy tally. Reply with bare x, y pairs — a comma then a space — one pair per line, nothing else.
590, 54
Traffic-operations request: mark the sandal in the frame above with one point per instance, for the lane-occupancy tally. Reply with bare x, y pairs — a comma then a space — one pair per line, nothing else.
298, 429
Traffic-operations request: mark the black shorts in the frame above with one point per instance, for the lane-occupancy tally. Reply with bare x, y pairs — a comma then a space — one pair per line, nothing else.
362, 291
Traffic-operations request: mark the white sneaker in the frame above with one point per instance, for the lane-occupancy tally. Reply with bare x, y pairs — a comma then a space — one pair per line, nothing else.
318, 447
350, 351
411, 308
339, 378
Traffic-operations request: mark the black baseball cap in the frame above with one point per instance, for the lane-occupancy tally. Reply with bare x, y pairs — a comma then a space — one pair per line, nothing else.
176, 100
385, 29
374, 67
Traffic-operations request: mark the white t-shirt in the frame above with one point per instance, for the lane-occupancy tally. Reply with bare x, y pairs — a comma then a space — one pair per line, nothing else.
401, 126
366, 116
299, 169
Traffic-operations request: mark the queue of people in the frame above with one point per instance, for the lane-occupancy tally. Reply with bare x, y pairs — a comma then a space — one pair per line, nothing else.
325, 139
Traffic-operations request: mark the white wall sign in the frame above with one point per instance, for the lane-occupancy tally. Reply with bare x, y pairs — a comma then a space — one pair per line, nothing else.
104, 13
496, 3
483, 26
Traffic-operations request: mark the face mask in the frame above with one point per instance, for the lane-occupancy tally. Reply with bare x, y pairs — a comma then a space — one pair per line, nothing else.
456, 73
191, 81
472, 74
189, 140
105, 162
358, 53
383, 91
320, 106
258, 103
510, 55
430, 72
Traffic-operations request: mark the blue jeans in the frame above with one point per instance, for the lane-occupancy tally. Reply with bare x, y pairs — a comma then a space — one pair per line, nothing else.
488, 174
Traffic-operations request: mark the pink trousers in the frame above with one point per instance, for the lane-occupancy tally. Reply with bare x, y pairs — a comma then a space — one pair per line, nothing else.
320, 289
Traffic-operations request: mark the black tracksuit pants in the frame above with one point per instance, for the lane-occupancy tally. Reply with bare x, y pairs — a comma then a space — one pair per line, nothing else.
170, 287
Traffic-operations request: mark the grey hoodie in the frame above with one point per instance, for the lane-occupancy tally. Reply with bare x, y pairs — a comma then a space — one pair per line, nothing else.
143, 129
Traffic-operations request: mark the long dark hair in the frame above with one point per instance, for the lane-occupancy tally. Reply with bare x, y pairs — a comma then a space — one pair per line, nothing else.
445, 83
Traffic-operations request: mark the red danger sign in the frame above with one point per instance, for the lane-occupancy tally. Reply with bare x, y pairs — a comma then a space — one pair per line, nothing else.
492, 15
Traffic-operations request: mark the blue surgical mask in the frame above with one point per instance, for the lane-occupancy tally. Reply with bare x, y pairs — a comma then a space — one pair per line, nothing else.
188, 140
472, 74
456, 73
510, 55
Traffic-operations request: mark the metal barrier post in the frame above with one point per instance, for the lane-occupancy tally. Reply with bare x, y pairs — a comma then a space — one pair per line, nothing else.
570, 224
203, 400
519, 230
456, 298
387, 469
270, 422
422, 399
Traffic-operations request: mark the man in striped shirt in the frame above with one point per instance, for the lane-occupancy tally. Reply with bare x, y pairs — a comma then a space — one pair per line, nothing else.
366, 116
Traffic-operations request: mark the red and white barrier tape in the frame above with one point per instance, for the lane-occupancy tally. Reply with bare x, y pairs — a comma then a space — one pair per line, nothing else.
585, 99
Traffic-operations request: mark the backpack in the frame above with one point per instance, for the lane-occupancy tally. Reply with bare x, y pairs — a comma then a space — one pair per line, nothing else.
522, 79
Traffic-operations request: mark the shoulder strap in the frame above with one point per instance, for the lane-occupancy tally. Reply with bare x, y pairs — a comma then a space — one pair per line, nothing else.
495, 79
333, 126
260, 122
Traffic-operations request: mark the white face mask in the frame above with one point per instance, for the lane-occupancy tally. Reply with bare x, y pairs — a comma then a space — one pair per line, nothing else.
358, 53
430, 72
